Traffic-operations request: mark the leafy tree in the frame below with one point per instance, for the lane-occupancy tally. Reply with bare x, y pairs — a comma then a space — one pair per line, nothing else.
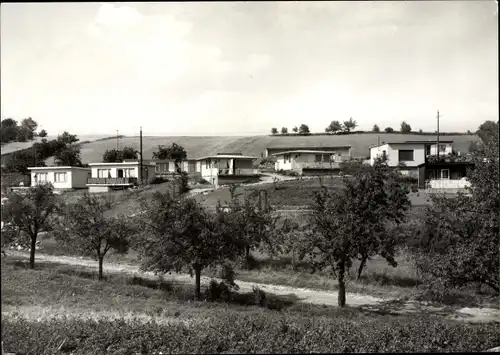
119, 155
8, 130
420, 130
295, 129
333, 127
252, 225
389, 129
175, 152
68, 156
405, 127
352, 224
67, 138
179, 233
88, 230
460, 238
376, 128
274, 130
350, 125
42, 133
27, 129
21, 160
293, 238
284, 130
488, 131
304, 129
31, 213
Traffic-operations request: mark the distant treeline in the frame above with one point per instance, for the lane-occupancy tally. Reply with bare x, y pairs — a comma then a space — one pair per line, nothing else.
374, 133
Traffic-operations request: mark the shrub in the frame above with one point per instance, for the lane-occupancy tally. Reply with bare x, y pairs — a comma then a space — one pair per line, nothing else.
248, 332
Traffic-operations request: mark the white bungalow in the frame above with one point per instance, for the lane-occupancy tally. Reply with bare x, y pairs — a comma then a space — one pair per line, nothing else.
115, 176
307, 162
61, 177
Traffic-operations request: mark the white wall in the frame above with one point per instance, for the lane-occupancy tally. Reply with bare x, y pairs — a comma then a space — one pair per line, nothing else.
114, 169
281, 165
449, 184
51, 178
448, 149
392, 151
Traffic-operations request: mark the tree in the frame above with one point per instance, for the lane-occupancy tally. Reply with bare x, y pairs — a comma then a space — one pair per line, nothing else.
119, 155
284, 130
253, 225
375, 128
461, 235
175, 152
42, 133
293, 237
179, 233
68, 156
88, 230
304, 129
405, 127
488, 131
352, 224
67, 138
333, 127
295, 129
21, 160
274, 130
389, 129
420, 130
350, 125
8, 130
28, 128
31, 213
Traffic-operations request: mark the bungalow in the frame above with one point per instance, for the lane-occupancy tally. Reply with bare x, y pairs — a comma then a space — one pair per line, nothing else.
116, 176
228, 168
61, 177
167, 167
409, 155
309, 162
342, 150
444, 175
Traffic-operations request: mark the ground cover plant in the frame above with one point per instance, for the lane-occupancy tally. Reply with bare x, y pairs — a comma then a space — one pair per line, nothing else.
71, 312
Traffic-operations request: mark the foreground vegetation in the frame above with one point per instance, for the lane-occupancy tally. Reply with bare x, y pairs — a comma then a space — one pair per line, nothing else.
60, 309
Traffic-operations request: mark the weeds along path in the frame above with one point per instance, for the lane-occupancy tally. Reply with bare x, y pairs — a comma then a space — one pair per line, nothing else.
364, 302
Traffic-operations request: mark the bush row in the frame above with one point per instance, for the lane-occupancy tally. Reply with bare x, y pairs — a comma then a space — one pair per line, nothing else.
247, 332
370, 132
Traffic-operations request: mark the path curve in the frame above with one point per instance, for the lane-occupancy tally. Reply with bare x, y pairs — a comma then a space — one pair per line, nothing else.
304, 295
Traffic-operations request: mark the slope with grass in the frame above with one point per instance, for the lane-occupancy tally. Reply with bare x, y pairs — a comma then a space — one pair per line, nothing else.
58, 309
255, 145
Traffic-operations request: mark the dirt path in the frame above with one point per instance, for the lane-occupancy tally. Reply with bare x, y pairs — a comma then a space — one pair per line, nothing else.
363, 302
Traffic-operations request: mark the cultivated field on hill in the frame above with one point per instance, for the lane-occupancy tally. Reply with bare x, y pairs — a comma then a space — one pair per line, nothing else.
200, 146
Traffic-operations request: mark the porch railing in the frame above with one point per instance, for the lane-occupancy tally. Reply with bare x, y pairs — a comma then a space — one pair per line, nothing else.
227, 171
112, 181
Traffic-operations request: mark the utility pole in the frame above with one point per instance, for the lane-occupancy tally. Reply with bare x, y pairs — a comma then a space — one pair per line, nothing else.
437, 146
117, 140
140, 148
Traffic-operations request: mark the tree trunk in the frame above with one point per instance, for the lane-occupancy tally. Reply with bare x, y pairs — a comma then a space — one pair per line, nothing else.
247, 257
197, 271
361, 266
32, 252
294, 264
341, 299
101, 259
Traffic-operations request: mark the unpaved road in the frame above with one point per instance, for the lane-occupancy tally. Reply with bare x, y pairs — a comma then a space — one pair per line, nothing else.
303, 295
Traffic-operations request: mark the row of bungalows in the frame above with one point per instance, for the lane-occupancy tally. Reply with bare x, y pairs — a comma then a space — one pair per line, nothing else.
219, 169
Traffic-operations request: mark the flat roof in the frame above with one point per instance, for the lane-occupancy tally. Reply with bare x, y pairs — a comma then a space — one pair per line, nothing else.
227, 157
310, 147
122, 163
305, 151
444, 163
56, 168
409, 142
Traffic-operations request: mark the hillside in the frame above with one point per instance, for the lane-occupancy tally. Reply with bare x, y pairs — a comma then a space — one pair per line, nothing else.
15, 146
256, 145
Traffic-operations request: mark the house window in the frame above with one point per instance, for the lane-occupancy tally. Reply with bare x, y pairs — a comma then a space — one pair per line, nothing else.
287, 158
103, 173
317, 158
442, 148
60, 177
427, 150
430, 175
405, 155
128, 172
384, 154
445, 173
42, 177
207, 164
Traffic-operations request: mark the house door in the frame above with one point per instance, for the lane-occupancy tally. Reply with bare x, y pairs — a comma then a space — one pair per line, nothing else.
119, 173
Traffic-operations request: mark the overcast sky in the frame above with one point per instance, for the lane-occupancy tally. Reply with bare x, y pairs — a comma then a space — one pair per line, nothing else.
236, 68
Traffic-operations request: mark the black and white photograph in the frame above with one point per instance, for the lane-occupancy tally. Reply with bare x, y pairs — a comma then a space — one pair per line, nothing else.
207, 177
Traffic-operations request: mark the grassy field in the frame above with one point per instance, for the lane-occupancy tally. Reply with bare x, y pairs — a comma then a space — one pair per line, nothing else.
58, 309
200, 146
289, 193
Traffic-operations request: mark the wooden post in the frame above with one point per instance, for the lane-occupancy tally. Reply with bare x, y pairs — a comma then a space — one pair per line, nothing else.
263, 200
